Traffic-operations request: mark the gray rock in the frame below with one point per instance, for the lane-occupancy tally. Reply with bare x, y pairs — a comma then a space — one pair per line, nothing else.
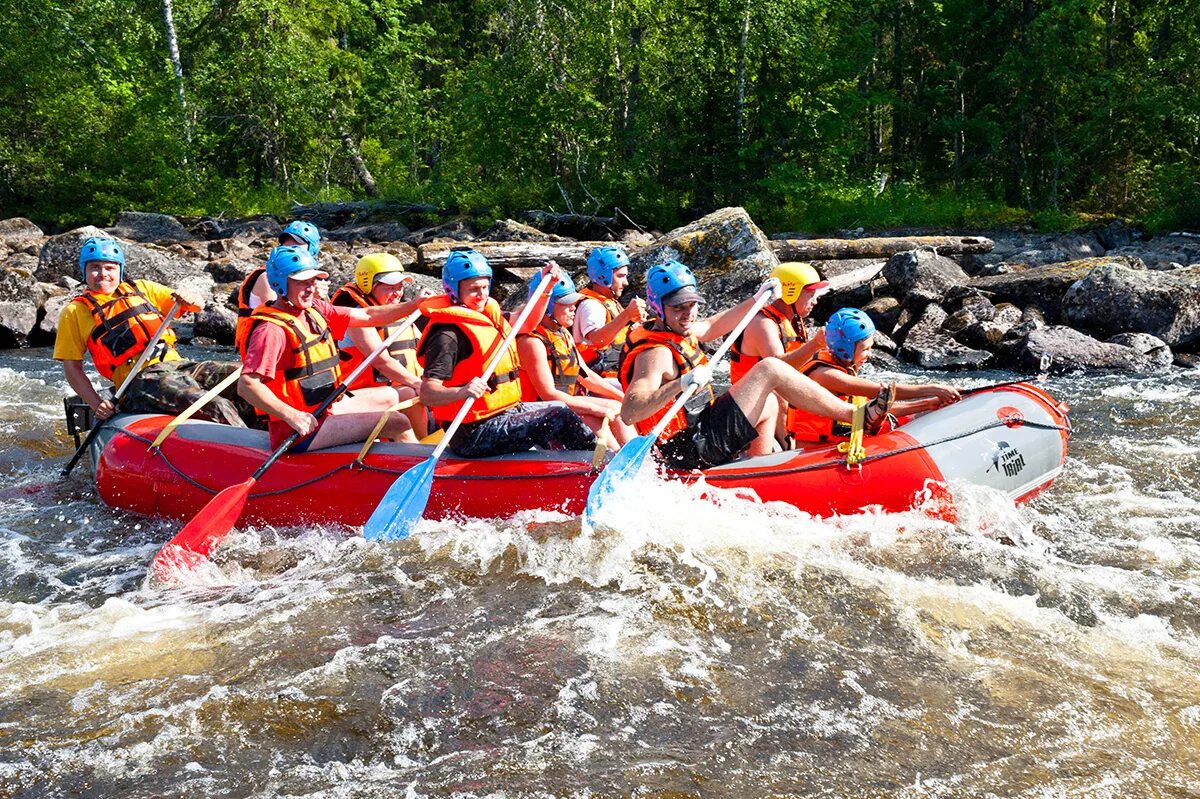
60, 258
1187, 360
17, 319
1118, 233
146, 227
926, 345
47, 324
636, 239
217, 322
884, 312
230, 270
233, 248
923, 271
1044, 285
1072, 247
375, 232
17, 285
458, 229
512, 230
1152, 347
18, 229
959, 321
254, 228
1061, 349
1112, 299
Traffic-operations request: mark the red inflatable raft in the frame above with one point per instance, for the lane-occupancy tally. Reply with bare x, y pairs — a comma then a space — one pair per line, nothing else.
1012, 438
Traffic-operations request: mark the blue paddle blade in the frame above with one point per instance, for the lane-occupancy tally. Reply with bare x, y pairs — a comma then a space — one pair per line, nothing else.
619, 472
401, 507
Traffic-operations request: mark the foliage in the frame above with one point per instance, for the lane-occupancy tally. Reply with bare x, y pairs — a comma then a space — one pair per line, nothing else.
814, 114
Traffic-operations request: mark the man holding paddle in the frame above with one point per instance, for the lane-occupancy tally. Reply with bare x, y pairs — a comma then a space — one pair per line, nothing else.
291, 365
115, 321
663, 360
466, 333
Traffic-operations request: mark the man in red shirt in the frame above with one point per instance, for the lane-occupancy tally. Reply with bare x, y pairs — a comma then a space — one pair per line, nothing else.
290, 360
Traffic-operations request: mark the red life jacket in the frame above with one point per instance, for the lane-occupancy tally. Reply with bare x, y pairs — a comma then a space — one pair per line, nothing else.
486, 332
403, 349
563, 358
314, 371
791, 337
243, 306
807, 426
687, 355
123, 326
603, 361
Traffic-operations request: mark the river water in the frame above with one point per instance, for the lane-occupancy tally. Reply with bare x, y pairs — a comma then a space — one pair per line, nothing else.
693, 649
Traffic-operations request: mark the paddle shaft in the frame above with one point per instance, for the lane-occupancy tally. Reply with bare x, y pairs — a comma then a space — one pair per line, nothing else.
194, 407
337, 393
763, 298
137, 367
492, 365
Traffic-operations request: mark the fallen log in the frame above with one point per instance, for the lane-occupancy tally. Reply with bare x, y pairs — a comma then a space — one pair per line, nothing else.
570, 255
578, 225
834, 249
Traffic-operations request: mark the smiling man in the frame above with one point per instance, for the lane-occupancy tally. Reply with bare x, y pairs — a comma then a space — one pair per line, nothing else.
290, 360
113, 321
662, 358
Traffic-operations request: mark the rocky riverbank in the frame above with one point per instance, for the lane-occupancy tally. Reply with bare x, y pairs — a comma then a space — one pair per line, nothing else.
1109, 298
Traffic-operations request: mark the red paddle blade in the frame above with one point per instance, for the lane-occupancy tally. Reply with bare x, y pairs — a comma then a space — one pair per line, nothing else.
203, 533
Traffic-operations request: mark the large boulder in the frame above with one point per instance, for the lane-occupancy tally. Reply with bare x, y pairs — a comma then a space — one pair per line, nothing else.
146, 227
1044, 286
217, 322
373, 232
1062, 349
512, 230
18, 230
1059, 249
47, 324
726, 250
60, 258
926, 345
457, 229
923, 271
1152, 347
1113, 299
18, 307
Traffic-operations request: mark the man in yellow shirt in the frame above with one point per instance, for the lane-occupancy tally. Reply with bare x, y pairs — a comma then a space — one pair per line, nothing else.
113, 321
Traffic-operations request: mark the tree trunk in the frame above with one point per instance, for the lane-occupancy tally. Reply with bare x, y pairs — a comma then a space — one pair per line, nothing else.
360, 166
740, 112
511, 254
176, 65
836, 249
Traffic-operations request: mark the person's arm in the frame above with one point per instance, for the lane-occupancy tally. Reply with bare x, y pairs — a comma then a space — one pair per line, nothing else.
536, 366
367, 340
722, 323
653, 385
943, 394
761, 338
440, 350
541, 301
601, 337
597, 385
262, 290
253, 388
381, 315
800, 356
79, 382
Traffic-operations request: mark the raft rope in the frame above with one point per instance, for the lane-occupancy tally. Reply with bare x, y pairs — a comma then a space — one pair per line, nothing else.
586, 469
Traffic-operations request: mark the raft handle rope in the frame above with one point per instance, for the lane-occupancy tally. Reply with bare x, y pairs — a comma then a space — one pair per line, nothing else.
587, 470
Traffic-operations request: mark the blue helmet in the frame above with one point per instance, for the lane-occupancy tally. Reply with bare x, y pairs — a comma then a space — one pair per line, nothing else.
561, 292
463, 265
305, 231
285, 262
98, 248
603, 261
845, 329
665, 279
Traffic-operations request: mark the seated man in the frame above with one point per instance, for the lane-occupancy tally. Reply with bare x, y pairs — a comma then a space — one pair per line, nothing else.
113, 321
290, 360
379, 279
662, 359
465, 330
601, 324
552, 369
849, 337
255, 290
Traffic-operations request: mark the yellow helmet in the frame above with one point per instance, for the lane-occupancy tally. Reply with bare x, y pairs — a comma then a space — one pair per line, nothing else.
795, 277
370, 268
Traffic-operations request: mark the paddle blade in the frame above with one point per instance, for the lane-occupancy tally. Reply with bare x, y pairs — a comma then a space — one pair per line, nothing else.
621, 471
203, 533
401, 507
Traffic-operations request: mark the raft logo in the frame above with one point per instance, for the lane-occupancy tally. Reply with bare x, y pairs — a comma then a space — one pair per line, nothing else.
1008, 459
1012, 417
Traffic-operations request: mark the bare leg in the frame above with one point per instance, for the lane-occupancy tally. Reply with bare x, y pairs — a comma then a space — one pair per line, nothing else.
351, 419
764, 444
418, 416
753, 391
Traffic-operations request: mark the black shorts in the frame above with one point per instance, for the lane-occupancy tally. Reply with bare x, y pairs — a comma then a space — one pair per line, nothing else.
714, 437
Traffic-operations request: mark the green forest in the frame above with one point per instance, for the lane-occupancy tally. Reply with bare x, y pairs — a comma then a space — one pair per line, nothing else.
813, 114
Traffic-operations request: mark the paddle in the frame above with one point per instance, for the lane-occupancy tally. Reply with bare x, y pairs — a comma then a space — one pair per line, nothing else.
195, 406
209, 527
137, 367
628, 461
401, 507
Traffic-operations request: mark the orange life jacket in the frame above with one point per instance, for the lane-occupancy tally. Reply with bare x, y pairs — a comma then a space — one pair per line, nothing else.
314, 371
807, 426
403, 349
124, 325
603, 361
243, 306
687, 355
486, 332
563, 358
791, 337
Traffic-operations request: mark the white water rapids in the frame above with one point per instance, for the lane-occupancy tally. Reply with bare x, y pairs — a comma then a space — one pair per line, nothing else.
687, 648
